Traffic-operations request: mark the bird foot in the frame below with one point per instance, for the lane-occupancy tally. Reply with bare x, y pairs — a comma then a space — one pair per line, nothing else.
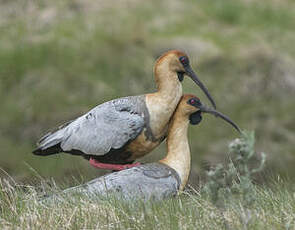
116, 167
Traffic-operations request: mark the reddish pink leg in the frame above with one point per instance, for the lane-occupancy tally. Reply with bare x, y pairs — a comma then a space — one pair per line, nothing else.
116, 167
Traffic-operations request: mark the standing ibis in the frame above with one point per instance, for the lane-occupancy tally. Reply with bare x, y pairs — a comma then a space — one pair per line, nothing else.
112, 135
164, 178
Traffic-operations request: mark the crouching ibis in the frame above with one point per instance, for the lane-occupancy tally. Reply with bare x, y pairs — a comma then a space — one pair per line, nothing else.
161, 179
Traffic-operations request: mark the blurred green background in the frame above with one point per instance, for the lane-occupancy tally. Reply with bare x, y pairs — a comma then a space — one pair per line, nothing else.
60, 58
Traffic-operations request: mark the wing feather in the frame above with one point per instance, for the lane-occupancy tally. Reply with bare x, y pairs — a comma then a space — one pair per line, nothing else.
105, 127
154, 180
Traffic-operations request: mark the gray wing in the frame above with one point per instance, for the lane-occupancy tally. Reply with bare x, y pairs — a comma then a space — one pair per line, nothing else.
109, 125
149, 181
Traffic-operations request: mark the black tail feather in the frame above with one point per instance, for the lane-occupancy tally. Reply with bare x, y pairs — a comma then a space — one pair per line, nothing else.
49, 151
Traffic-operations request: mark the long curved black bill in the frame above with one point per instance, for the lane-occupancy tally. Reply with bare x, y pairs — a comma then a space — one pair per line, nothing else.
195, 78
206, 109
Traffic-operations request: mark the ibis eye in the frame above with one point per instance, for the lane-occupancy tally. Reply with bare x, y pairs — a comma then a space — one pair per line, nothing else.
184, 61
194, 102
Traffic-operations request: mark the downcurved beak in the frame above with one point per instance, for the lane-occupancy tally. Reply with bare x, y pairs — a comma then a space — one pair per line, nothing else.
206, 109
194, 77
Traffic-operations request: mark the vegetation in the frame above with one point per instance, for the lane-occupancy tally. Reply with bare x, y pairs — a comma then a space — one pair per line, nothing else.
235, 178
60, 58
239, 205
272, 209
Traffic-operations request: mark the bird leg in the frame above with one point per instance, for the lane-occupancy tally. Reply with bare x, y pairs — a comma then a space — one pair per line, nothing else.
116, 167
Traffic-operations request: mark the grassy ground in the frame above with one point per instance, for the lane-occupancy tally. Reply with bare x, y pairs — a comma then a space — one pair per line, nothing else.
58, 59
273, 208
228, 199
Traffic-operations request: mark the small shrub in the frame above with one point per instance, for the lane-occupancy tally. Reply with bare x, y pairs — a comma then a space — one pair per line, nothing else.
236, 177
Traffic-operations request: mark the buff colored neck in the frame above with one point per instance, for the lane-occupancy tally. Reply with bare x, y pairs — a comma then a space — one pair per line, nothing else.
162, 104
178, 151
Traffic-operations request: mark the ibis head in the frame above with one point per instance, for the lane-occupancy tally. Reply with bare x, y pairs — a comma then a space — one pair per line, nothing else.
178, 62
193, 108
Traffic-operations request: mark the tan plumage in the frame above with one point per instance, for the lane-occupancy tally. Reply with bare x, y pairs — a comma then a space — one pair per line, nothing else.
178, 150
122, 130
158, 180
160, 106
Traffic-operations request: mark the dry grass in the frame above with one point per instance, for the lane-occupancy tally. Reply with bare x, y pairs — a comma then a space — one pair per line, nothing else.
228, 200
272, 209
58, 59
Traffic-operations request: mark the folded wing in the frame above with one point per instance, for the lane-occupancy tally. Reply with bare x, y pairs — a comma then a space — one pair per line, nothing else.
105, 127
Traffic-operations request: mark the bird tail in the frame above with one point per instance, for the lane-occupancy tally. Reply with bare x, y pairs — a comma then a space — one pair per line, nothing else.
50, 143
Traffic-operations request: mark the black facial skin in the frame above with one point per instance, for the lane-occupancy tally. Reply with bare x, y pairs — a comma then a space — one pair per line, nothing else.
180, 76
189, 71
195, 102
184, 61
195, 118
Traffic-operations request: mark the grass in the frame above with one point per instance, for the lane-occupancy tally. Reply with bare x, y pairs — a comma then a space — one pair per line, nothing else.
229, 199
58, 59
273, 208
